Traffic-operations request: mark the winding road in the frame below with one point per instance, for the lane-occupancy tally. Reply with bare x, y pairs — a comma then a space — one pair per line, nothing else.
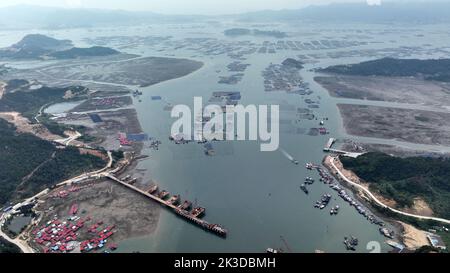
374, 198
24, 247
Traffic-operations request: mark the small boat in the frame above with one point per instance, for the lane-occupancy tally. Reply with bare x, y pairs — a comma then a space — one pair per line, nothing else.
334, 210
163, 194
186, 205
198, 212
309, 181
174, 200
153, 189
273, 251
304, 189
351, 243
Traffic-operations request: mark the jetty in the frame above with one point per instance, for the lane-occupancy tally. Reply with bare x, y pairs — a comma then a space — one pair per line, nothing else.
182, 211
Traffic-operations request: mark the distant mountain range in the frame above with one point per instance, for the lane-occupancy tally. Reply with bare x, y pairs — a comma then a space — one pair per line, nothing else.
26, 16
37, 46
419, 12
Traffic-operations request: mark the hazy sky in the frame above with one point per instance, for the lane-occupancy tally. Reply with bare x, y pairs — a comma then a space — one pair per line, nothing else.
181, 6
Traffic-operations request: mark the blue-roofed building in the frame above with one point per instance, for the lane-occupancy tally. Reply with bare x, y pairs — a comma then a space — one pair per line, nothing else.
137, 137
95, 118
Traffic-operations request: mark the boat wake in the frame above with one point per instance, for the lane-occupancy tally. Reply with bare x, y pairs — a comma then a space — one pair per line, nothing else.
288, 156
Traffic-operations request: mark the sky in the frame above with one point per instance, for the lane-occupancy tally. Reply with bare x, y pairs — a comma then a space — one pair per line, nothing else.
181, 6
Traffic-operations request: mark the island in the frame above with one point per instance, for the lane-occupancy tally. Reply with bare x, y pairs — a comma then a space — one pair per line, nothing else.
37, 46
432, 69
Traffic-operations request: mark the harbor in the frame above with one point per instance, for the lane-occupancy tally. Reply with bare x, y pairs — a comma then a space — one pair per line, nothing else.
254, 193
182, 210
237, 175
327, 179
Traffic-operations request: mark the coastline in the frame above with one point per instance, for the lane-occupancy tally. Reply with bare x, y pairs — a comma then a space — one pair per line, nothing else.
130, 229
330, 163
395, 217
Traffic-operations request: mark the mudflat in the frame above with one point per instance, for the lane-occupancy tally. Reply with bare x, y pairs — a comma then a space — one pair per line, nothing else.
416, 126
133, 215
140, 71
392, 89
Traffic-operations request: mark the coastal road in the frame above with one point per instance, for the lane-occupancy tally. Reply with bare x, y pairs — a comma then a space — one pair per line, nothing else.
370, 194
24, 247
96, 174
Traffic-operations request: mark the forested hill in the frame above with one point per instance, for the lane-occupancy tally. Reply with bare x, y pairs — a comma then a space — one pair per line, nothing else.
433, 69
25, 154
404, 179
38, 46
76, 52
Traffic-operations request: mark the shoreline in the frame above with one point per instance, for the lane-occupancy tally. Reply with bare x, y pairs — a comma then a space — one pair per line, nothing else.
130, 169
335, 170
371, 201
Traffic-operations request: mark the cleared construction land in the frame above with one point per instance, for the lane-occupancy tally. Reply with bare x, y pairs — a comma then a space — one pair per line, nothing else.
105, 132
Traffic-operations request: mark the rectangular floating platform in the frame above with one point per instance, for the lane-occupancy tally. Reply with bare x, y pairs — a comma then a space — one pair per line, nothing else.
95, 118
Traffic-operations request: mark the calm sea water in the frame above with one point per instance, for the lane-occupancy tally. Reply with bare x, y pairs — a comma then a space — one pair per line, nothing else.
254, 194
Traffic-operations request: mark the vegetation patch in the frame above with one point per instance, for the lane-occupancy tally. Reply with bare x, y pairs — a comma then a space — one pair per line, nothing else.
29, 102
30, 164
7, 248
403, 179
437, 70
